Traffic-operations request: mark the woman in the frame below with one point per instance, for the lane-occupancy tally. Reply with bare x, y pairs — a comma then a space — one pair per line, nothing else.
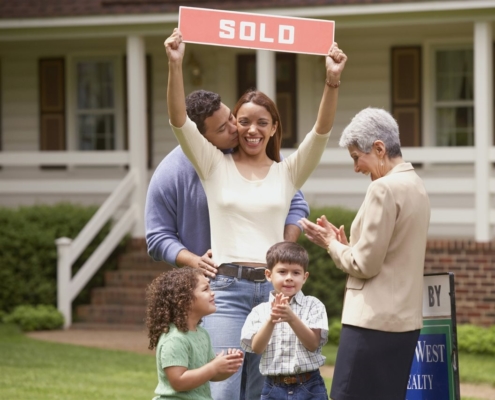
382, 314
249, 194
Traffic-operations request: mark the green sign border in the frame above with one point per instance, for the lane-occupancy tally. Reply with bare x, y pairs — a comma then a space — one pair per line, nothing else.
444, 327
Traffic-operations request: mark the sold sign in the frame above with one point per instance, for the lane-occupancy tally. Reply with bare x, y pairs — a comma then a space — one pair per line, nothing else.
256, 31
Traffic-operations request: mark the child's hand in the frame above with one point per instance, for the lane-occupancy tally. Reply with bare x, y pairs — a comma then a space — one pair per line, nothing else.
281, 312
280, 298
228, 363
235, 352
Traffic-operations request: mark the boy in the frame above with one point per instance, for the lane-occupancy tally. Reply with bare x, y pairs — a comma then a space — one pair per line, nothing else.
289, 330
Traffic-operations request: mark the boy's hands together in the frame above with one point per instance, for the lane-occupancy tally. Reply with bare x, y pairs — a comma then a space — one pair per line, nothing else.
281, 311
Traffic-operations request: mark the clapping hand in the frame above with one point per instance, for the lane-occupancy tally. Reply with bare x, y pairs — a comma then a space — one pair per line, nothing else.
229, 363
281, 311
323, 232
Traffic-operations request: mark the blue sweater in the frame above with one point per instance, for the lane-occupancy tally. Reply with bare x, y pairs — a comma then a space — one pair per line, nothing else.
176, 214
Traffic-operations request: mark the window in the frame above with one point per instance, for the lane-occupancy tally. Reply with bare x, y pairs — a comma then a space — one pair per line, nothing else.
96, 105
453, 99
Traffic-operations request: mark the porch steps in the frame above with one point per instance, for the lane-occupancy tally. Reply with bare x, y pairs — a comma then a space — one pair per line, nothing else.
121, 302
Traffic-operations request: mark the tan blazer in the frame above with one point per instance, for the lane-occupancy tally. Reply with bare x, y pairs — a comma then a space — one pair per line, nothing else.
385, 258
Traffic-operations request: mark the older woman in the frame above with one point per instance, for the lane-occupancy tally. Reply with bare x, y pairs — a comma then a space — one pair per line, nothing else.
382, 314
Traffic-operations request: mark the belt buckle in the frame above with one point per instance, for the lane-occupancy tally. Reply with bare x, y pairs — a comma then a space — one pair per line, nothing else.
287, 380
264, 277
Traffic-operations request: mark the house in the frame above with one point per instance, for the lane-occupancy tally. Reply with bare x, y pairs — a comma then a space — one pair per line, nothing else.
83, 113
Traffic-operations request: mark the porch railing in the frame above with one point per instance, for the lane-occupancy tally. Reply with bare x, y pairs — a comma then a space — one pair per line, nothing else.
464, 183
68, 286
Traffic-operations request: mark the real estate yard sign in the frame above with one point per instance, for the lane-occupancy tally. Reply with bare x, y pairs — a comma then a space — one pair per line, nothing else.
434, 371
256, 31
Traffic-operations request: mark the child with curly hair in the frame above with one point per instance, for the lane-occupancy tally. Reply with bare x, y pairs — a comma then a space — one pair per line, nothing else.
176, 302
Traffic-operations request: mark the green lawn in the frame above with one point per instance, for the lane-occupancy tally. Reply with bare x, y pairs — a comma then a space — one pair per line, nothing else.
51, 371
476, 368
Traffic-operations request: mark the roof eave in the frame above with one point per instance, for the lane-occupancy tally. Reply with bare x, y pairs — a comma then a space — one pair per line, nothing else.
303, 12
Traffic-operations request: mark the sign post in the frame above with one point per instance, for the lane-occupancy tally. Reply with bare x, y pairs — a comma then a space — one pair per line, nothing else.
434, 372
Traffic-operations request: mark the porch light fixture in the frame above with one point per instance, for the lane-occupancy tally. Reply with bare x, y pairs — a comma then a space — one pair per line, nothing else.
195, 71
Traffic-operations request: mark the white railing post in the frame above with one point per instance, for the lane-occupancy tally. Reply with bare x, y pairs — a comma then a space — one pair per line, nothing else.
483, 125
266, 73
136, 98
64, 269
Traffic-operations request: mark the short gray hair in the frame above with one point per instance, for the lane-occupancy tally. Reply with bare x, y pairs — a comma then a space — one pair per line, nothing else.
370, 125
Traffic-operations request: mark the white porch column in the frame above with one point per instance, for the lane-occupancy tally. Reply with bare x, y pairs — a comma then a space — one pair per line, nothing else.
136, 105
483, 125
266, 73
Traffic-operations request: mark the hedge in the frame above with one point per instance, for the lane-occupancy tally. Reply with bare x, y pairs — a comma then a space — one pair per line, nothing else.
326, 281
476, 339
28, 273
35, 318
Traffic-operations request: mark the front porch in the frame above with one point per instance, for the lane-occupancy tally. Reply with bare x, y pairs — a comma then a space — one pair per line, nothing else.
50, 152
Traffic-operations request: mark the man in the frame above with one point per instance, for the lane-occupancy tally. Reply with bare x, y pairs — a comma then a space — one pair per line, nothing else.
176, 214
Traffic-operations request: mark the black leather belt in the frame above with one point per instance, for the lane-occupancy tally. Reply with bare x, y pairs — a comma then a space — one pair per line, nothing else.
255, 274
290, 379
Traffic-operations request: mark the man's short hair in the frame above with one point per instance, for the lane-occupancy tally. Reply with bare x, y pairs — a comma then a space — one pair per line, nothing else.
287, 252
200, 105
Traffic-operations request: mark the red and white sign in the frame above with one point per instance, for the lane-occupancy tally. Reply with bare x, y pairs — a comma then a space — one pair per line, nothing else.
256, 31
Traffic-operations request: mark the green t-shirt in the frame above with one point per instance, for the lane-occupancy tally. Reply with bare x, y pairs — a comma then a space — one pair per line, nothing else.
191, 350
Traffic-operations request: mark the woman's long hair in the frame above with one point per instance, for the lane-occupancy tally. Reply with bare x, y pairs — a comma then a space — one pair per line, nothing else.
261, 99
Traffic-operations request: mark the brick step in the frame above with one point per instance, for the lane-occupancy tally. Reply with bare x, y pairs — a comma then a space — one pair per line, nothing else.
119, 295
111, 314
136, 244
130, 278
140, 260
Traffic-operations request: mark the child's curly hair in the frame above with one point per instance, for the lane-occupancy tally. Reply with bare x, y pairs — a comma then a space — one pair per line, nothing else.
169, 298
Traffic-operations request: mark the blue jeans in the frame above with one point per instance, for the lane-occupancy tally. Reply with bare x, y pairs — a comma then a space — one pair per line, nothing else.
312, 389
235, 298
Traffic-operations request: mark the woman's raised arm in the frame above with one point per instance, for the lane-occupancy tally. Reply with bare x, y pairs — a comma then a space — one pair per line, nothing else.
176, 99
334, 62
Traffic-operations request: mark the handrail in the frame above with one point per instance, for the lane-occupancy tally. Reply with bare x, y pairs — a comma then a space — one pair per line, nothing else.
93, 263
69, 287
106, 210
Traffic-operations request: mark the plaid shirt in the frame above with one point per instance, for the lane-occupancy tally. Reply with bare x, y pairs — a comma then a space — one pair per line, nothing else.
285, 354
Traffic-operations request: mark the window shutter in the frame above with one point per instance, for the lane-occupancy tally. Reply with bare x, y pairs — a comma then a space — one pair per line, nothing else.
149, 116
52, 104
406, 93
1, 105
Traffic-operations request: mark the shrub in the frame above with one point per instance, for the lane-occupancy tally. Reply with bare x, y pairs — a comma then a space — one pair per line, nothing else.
326, 281
334, 328
35, 318
28, 273
476, 339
